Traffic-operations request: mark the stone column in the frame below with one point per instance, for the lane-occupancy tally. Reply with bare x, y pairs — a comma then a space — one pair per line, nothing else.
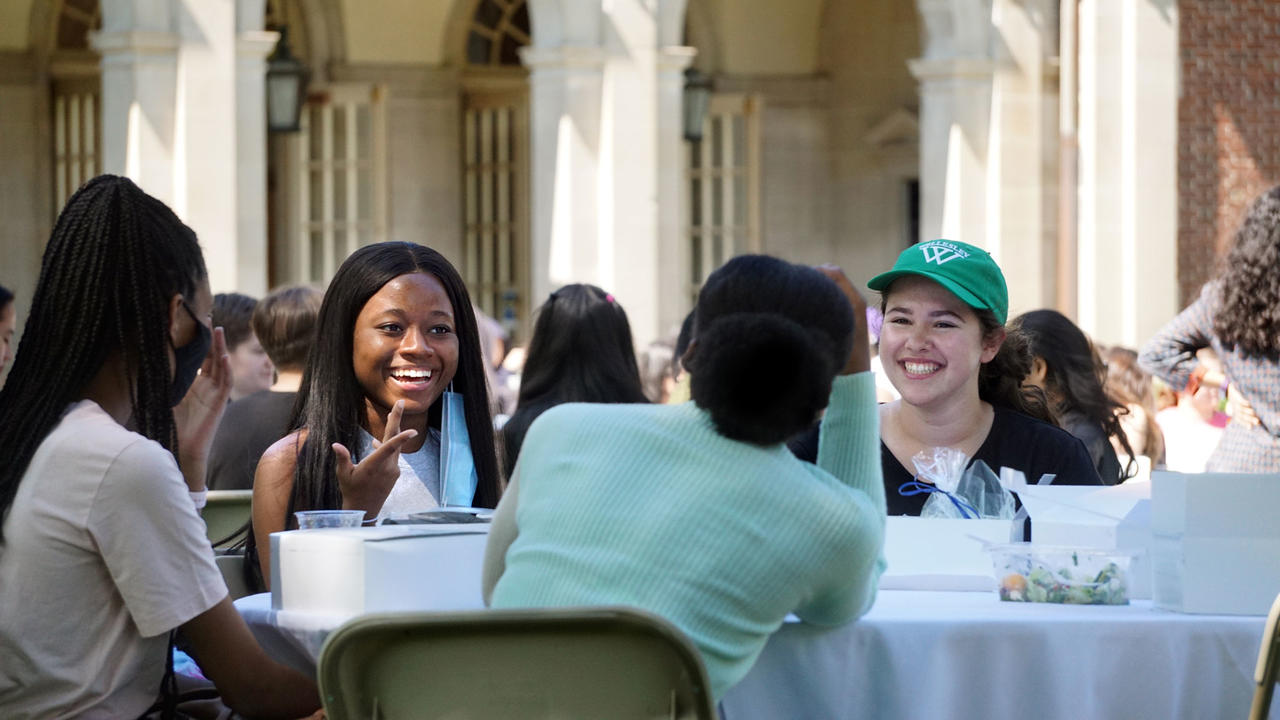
628, 202
955, 77
985, 167
564, 119
1150, 168
1019, 154
253, 45
205, 149
139, 88
674, 258
606, 190
177, 103
1128, 168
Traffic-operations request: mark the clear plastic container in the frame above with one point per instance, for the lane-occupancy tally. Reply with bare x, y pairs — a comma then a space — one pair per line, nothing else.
1050, 574
309, 519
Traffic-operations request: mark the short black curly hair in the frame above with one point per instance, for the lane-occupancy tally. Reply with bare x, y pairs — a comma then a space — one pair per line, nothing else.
1248, 308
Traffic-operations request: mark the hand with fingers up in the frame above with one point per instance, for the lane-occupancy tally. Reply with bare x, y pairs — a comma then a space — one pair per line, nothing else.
198, 415
860, 354
366, 484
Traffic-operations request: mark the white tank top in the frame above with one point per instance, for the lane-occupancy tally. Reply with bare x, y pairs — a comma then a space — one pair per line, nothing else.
418, 487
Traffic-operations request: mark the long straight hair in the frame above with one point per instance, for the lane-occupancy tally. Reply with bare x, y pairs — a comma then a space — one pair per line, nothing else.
1075, 373
581, 351
114, 260
331, 402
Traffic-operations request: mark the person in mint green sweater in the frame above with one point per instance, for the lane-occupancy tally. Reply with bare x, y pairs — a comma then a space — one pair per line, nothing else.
698, 512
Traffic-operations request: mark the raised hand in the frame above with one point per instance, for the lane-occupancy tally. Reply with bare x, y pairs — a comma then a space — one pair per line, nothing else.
198, 415
1240, 409
366, 484
860, 355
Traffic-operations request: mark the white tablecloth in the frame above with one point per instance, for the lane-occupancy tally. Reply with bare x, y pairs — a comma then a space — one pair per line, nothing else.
292, 638
955, 655
968, 655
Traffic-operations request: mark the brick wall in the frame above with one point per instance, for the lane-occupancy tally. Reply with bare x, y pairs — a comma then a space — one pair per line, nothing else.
1228, 125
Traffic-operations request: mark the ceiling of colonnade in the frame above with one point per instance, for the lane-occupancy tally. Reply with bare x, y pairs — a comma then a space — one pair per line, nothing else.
396, 31
763, 37
753, 37
15, 24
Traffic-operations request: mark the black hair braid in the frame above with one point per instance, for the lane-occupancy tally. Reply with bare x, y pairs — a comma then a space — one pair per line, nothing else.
54, 345
151, 411
114, 257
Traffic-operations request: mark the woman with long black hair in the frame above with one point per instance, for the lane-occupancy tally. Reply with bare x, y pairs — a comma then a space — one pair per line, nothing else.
105, 424
1066, 366
581, 352
396, 331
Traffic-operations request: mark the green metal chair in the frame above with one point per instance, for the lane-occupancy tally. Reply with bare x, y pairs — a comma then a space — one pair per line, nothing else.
231, 565
226, 513
607, 662
1267, 673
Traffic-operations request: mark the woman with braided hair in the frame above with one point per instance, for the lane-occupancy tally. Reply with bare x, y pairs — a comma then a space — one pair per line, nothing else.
105, 424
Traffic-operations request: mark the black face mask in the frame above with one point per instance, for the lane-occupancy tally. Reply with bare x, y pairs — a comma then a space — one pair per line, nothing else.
188, 359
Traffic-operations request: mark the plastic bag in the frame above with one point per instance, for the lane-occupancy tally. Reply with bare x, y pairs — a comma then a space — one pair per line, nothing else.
959, 491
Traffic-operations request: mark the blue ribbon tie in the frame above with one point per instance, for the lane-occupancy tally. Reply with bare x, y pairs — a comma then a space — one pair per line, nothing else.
915, 487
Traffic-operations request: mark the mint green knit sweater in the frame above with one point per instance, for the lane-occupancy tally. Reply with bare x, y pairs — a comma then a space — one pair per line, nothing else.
648, 506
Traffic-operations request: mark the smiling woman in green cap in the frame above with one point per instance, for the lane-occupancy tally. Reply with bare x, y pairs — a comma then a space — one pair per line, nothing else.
945, 348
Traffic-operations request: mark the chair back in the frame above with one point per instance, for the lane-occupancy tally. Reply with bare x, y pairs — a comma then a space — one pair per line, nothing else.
608, 662
231, 565
1267, 671
226, 512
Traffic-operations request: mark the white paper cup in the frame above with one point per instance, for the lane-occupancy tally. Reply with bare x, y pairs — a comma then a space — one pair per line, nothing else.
310, 519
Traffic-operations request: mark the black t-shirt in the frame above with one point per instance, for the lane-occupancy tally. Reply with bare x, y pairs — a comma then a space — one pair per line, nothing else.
1097, 443
1015, 440
250, 425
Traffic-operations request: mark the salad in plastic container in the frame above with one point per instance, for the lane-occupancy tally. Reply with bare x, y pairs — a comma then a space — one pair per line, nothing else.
1048, 574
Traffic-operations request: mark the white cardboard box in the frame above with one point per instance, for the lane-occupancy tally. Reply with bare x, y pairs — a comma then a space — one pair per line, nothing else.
348, 571
940, 554
1215, 542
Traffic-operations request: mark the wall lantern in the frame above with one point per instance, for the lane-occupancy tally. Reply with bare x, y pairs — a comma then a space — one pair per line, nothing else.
286, 87
697, 97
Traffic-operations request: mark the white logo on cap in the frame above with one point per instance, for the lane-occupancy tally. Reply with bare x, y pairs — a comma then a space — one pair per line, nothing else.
939, 252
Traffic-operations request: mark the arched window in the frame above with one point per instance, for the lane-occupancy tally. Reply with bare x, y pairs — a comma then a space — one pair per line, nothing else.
326, 183
499, 29
495, 139
723, 171
75, 98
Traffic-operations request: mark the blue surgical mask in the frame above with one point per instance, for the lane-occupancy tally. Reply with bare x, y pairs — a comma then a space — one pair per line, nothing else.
457, 468
188, 359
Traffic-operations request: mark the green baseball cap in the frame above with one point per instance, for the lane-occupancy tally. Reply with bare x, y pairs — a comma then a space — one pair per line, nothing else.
965, 270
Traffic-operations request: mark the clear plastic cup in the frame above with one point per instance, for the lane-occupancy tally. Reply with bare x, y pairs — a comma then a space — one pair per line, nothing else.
309, 519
